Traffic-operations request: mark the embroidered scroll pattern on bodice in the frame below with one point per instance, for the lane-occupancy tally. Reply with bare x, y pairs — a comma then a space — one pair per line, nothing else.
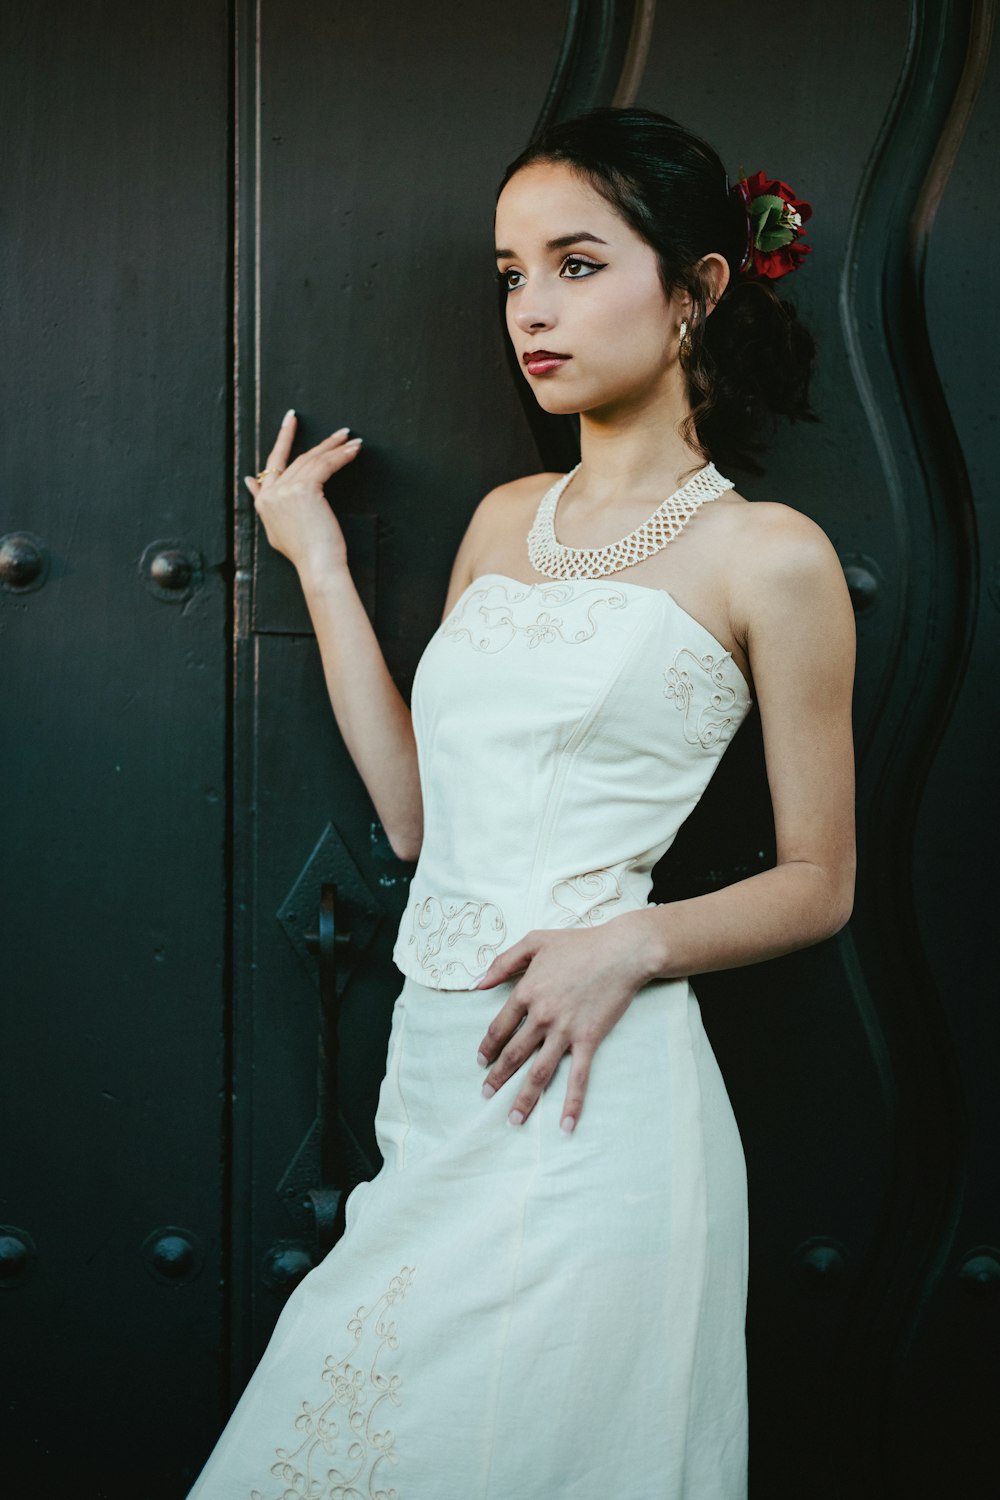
554, 778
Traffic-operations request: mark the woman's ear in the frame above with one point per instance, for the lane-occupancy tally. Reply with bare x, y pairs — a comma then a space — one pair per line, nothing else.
714, 270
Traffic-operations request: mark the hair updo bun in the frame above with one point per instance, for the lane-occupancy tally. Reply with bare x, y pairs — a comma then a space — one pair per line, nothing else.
751, 358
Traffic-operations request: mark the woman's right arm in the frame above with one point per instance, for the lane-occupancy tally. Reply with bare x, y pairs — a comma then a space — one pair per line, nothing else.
374, 720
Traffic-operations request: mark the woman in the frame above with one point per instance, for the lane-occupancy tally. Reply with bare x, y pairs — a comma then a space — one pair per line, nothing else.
557, 1309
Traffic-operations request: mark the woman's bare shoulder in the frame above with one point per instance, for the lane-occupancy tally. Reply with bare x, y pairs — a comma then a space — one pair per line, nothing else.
503, 512
779, 535
499, 515
525, 488
781, 555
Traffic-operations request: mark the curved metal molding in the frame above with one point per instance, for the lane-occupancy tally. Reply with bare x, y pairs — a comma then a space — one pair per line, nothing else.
636, 54
883, 312
598, 47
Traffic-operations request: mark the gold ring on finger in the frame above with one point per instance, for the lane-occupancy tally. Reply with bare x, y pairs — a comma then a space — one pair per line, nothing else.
260, 476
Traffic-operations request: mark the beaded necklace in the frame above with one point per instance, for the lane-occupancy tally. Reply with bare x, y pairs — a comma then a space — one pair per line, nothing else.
550, 556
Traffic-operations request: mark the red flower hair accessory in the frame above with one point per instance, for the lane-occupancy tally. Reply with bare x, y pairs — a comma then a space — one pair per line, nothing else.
774, 227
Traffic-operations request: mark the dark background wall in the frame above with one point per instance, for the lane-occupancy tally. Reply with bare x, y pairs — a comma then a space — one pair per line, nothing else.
217, 211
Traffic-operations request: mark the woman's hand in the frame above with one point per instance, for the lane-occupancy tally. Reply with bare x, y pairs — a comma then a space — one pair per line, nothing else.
296, 513
577, 984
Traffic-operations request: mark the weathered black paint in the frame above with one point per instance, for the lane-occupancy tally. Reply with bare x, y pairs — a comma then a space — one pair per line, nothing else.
222, 211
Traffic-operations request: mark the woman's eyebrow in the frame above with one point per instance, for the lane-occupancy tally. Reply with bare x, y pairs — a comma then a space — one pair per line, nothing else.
559, 244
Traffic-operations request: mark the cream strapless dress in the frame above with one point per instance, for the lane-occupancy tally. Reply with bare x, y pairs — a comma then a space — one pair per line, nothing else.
517, 1313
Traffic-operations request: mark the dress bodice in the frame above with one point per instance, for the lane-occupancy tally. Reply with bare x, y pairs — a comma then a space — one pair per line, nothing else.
564, 732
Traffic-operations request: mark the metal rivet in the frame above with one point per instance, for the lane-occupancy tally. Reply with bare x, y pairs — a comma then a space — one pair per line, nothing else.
820, 1264
286, 1263
172, 1255
863, 587
17, 1255
979, 1272
24, 561
172, 571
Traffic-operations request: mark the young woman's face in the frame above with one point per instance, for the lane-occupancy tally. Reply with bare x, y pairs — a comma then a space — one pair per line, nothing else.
582, 285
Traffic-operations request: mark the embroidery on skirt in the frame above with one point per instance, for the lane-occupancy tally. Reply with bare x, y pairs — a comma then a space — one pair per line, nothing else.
703, 696
358, 1391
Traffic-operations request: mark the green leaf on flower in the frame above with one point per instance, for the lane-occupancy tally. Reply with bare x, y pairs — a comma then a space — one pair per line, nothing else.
771, 228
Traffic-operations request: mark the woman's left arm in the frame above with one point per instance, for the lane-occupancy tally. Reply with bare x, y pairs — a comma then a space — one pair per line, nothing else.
794, 609
798, 620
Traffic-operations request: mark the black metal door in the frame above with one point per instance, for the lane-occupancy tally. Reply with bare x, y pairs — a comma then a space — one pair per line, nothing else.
115, 583
223, 210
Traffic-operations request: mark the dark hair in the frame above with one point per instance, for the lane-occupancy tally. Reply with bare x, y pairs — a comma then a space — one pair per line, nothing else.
752, 358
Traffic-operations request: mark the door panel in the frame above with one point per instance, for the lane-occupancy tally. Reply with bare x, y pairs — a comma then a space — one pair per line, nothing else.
116, 351
241, 209
944, 1387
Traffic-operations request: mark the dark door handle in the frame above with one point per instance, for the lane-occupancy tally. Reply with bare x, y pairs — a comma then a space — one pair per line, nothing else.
331, 934
326, 1201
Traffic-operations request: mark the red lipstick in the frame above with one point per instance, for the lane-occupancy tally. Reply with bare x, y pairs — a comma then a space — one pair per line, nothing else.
539, 361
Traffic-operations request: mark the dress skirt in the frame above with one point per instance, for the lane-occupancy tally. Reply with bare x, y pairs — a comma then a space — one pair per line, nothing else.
514, 1312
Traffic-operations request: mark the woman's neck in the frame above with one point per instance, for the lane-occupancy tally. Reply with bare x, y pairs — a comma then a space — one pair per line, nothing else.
632, 460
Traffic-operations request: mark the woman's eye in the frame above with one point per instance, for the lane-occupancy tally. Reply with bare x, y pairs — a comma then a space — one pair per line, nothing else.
574, 266
589, 266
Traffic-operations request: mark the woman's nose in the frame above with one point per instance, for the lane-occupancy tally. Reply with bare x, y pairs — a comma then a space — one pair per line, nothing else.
530, 317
